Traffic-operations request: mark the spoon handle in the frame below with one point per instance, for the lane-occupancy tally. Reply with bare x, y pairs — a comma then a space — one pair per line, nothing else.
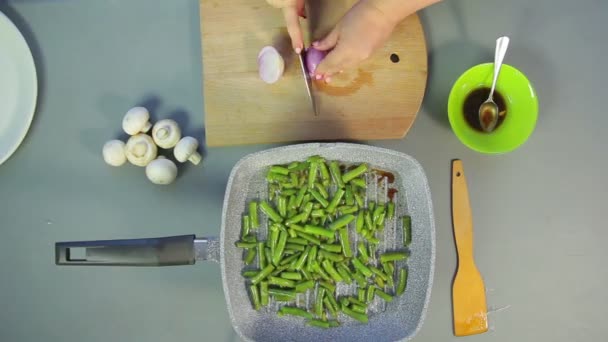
501, 49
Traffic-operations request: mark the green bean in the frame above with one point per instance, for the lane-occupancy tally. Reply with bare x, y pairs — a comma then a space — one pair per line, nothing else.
354, 173
342, 221
361, 267
295, 219
250, 273
274, 238
292, 233
272, 191
345, 242
391, 210
384, 295
321, 190
371, 206
318, 213
371, 291
297, 240
360, 182
328, 286
328, 266
249, 238
319, 270
372, 239
255, 296
303, 286
291, 205
335, 200
282, 205
291, 275
319, 231
358, 308
344, 210
334, 170
331, 248
388, 267
379, 209
281, 282
361, 317
295, 247
289, 192
315, 159
296, 166
319, 301
377, 272
355, 301
361, 295
331, 256
305, 273
294, 178
393, 256
349, 198
300, 197
318, 323
316, 195
328, 305
344, 273
312, 256
262, 274
309, 238
312, 175
360, 222
389, 282
276, 178
302, 258
307, 211
305, 201
407, 230
359, 199
246, 244
402, 281
324, 171
287, 188
371, 250
273, 291
379, 281
251, 253
363, 252
289, 259
270, 212
268, 256
246, 226
264, 293
380, 223
368, 221
279, 169
359, 278
280, 246
289, 310
282, 298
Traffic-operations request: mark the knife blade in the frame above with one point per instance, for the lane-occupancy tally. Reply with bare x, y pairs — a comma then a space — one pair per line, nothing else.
308, 82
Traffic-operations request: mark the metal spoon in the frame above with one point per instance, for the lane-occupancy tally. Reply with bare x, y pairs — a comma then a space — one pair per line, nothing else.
488, 111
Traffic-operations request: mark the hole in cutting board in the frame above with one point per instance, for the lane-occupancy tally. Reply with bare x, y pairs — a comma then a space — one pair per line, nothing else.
457, 174
394, 58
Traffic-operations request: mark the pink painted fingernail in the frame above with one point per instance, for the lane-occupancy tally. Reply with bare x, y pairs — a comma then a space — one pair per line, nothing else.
318, 77
315, 43
298, 50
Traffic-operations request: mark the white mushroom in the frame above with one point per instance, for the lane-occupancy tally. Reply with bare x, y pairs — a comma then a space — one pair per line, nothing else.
186, 150
166, 133
136, 120
114, 153
161, 171
140, 150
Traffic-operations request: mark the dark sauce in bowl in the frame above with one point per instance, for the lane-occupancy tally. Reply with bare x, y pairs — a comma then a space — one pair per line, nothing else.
474, 100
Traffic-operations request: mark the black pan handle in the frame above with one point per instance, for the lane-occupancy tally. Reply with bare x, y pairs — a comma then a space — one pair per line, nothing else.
162, 251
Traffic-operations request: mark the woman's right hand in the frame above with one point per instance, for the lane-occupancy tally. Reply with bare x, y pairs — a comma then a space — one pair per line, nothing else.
292, 11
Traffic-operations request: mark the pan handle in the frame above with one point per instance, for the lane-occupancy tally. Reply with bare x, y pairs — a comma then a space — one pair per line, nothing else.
162, 251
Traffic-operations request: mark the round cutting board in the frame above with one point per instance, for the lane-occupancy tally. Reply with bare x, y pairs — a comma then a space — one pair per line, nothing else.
18, 88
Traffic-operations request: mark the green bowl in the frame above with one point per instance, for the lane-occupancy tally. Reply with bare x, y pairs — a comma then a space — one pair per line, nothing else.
521, 102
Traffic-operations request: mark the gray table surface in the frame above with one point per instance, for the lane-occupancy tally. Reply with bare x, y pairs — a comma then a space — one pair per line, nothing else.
539, 212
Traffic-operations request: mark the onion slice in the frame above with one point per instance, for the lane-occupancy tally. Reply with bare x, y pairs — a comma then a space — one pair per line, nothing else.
270, 64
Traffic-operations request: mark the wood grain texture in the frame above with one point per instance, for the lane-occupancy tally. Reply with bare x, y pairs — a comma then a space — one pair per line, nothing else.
378, 100
468, 290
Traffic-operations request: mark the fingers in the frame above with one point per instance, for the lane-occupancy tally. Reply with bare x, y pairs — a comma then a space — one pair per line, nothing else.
292, 20
329, 41
336, 61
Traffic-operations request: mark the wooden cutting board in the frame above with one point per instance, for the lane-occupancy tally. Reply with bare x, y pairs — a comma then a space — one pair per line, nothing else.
377, 100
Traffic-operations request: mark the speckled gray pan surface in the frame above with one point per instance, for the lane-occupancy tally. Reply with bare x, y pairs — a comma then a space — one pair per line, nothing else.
398, 320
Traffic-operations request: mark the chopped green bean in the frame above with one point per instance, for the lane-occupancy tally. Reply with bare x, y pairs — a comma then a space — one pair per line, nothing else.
335, 200
310, 238
324, 171
360, 222
316, 195
345, 242
328, 286
402, 281
361, 267
371, 291
372, 239
363, 252
282, 205
390, 210
319, 301
312, 174
250, 273
320, 271
318, 323
368, 221
328, 266
384, 295
289, 259
379, 210
378, 273
300, 197
388, 267
274, 238
246, 244
264, 293
334, 169
296, 166
331, 248
347, 210
270, 212
312, 256
292, 233
307, 210
295, 247
262, 274
297, 240
329, 307
361, 317
273, 291
291, 275
302, 258
371, 206
354, 173
380, 223
276, 178
358, 308
279, 169
246, 226
371, 250
255, 296
331, 256
289, 310
349, 198
253, 215
305, 201
379, 281
342, 221
359, 278
283, 298
318, 213
250, 257
319, 231
344, 273
393, 256
407, 230
303, 286
281, 282
321, 189
268, 256
360, 182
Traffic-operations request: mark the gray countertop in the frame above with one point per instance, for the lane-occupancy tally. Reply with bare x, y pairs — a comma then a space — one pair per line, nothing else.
539, 212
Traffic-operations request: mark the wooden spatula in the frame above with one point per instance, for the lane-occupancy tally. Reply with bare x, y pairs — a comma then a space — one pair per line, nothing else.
468, 291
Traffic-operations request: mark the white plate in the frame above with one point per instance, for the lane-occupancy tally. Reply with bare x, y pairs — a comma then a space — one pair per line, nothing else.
18, 88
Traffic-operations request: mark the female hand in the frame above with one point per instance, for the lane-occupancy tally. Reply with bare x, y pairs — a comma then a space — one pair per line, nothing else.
362, 30
292, 11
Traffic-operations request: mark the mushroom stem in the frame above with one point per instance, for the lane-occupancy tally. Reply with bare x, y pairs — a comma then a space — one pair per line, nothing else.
146, 127
195, 158
140, 149
163, 132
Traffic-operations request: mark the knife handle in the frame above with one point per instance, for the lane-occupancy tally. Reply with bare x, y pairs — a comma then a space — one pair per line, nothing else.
461, 214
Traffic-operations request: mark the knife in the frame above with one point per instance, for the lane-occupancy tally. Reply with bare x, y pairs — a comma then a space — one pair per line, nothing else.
308, 82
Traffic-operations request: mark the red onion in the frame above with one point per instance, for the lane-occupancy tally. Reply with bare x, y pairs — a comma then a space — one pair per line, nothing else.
270, 64
313, 58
